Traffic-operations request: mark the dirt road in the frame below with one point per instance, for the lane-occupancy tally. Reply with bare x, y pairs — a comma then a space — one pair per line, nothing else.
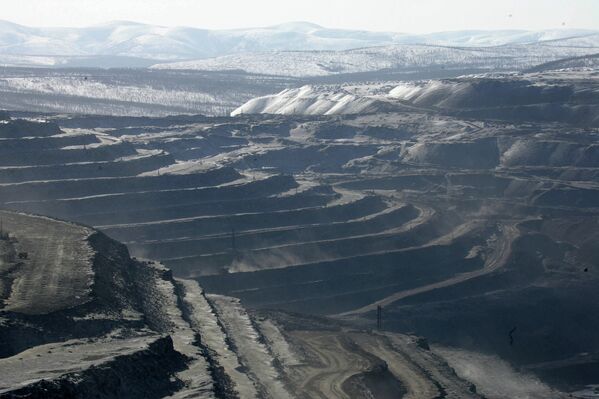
497, 259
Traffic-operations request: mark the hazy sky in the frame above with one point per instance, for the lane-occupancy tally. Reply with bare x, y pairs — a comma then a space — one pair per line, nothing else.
412, 16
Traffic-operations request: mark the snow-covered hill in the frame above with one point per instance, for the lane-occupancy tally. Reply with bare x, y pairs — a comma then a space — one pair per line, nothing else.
478, 38
129, 39
554, 95
326, 99
323, 63
311, 100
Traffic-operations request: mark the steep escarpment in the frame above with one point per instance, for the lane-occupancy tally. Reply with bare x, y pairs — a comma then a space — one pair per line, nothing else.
63, 281
80, 317
144, 371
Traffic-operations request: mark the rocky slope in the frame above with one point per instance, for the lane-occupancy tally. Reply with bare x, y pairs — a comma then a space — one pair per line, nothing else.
80, 318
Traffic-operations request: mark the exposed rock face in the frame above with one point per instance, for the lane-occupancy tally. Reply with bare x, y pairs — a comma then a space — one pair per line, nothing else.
145, 372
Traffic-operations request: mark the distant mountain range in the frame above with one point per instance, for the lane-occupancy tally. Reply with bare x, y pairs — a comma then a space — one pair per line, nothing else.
125, 43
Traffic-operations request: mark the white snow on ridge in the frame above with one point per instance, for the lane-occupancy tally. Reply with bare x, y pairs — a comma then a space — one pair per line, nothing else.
336, 99
30, 60
345, 99
416, 92
80, 87
474, 38
407, 91
285, 63
308, 100
324, 63
129, 39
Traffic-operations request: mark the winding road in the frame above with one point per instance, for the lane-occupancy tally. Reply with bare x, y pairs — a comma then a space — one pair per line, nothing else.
497, 260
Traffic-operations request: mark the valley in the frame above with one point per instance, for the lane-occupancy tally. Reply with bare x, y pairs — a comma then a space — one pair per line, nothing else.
461, 229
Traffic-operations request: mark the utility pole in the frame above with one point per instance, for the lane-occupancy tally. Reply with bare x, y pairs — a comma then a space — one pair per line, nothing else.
379, 317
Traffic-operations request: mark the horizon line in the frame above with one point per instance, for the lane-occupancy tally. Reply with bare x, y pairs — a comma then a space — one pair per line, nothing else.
315, 25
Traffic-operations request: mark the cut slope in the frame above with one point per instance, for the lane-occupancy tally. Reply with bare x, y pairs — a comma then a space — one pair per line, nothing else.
54, 269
